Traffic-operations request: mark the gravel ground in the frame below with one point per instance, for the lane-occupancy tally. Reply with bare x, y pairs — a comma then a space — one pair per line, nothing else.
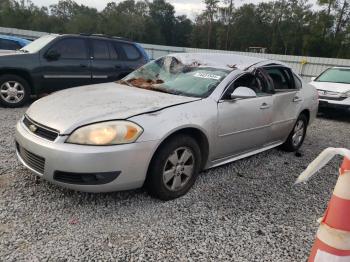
245, 211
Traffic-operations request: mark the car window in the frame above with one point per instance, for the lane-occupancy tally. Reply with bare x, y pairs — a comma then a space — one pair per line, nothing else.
249, 80
335, 75
114, 53
130, 51
281, 77
266, 80
100, 49
9, 45
298, 83
71, 48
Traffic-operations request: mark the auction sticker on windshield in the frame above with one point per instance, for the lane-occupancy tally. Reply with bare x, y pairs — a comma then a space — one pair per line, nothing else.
207, 76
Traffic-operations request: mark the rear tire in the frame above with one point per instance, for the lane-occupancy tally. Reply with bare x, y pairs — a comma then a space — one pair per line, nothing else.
174, 168
297, 135
14, 91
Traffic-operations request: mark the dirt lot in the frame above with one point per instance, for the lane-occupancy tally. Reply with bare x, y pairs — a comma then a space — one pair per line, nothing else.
245, 211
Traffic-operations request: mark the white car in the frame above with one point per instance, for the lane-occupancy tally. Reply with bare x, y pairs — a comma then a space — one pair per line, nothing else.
333, 87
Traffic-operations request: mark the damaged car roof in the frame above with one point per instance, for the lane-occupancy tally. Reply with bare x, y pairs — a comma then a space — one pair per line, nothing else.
226, 61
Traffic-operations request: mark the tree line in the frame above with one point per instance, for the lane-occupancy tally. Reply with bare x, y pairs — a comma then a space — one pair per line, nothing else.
293, 27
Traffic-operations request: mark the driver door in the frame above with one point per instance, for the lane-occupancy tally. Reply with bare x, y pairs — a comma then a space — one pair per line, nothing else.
243, 124
71, 68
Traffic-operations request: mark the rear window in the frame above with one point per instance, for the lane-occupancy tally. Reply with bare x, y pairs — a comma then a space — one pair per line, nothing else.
100, 49
129, 51
9, 45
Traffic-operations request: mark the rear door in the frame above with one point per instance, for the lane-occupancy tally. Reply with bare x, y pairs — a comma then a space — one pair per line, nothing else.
107, 65
6, 44
287, 101
71, 68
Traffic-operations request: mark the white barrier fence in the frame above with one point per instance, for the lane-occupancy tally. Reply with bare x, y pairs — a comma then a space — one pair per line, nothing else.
306, 66
303, 65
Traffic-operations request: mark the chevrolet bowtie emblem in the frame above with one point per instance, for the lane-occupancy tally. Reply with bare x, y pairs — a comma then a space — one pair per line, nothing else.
32, 128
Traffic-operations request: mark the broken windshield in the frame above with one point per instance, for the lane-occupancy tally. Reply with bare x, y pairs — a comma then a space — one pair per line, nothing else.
169, 75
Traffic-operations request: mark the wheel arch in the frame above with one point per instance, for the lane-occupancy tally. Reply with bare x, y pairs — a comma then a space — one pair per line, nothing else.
196, 133
306, 112
21, 73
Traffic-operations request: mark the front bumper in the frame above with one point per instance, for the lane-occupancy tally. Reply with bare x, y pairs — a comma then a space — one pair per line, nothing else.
130, 161
342, 104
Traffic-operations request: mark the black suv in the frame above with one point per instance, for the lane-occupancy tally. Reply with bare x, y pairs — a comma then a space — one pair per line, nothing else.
54, 62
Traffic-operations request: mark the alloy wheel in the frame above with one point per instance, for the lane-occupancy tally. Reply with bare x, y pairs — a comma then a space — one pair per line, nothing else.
178, 169
12, 92
298, 134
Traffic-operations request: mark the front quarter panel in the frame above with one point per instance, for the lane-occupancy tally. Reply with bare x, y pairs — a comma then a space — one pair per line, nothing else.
200, 114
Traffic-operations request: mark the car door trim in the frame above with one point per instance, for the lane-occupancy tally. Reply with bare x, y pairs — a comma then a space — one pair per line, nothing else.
283, 121
66, 76
245, 130
99, 76
260, 127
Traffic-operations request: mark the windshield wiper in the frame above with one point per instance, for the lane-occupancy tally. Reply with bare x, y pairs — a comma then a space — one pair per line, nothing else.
150, 86
23, 50
163, 90
172, 92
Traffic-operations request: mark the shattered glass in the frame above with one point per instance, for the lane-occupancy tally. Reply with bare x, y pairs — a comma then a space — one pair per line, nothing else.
170, 75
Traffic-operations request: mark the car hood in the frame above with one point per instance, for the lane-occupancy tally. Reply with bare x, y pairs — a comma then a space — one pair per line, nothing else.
66, 110
334, 87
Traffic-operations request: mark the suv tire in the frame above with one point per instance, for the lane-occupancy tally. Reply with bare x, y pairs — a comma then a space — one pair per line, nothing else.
14, 91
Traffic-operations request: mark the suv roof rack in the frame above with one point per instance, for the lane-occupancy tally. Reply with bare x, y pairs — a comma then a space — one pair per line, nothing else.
107, 36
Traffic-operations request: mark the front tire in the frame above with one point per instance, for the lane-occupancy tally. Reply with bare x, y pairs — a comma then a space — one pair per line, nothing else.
297, 136
174, 168
14, 91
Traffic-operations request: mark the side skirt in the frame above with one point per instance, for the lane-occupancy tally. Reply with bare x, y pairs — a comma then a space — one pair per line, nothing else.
226, 160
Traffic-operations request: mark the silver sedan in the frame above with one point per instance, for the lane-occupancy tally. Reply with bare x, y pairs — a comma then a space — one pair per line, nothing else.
164, 123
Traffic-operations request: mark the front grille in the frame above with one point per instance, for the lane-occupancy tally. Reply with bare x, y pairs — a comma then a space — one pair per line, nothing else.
40, 130
332, 98
32, 160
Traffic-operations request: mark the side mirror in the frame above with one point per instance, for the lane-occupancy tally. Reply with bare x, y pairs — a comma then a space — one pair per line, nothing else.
243, 92
52, 55
313, 78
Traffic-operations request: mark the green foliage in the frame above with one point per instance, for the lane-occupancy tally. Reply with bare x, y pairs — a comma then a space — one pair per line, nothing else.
282, 26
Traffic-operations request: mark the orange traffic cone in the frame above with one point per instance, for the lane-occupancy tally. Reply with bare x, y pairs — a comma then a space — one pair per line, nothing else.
333, 236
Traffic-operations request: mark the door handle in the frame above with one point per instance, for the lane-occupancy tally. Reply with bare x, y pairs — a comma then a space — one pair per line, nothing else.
118, 67
297, 99
264, 106
83, 66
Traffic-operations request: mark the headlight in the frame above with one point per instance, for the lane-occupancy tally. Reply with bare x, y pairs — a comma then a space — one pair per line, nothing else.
106, 133
347, 94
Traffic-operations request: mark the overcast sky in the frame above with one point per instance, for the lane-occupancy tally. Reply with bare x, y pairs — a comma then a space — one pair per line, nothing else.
188, 7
